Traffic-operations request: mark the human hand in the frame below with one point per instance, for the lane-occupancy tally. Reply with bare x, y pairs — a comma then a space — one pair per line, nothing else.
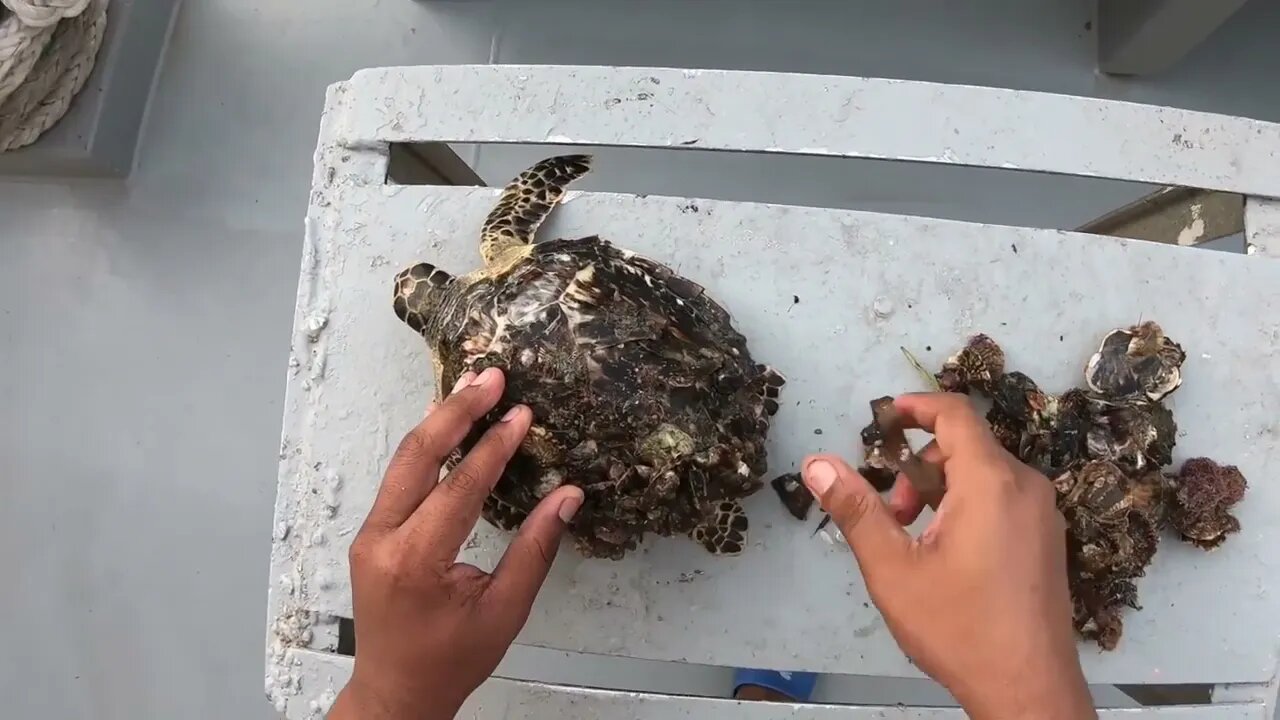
979, 601
429, 630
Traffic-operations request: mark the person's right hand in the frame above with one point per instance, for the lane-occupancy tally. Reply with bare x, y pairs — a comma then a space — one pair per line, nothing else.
979, 601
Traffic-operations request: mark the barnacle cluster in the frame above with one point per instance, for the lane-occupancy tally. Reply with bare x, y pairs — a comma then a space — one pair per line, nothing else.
1105, 447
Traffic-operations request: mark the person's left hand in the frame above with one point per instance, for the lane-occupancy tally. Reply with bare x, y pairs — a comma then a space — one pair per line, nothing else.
429, 630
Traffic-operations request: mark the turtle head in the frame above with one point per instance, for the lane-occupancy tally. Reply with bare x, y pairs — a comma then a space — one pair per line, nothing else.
420, 292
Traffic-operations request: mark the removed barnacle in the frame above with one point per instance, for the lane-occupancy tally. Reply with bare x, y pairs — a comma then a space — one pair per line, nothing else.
1134, 432
978, 364
1114, 521
1018, 397
886, 448
880, 478
1137, 359
1108, 494
1205, 493
886, 453
793, 494
1062, 444
1104, 447
1008, 430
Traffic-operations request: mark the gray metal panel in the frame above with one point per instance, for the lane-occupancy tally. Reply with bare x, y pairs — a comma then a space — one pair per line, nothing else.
321, 676
814, 115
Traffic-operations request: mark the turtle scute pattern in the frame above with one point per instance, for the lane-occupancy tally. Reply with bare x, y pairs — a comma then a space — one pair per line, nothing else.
643, 393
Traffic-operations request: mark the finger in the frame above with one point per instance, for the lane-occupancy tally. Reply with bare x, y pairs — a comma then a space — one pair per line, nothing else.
876, 538
441, 523
524, 567
956, 425
414, 469
904, 501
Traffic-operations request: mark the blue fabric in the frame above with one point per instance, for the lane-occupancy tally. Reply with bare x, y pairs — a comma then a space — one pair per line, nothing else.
795, 685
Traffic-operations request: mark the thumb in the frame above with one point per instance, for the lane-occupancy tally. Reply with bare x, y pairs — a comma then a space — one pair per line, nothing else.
524, 566
875, 536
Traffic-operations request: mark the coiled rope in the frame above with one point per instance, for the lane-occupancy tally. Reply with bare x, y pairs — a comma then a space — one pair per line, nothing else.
47, 49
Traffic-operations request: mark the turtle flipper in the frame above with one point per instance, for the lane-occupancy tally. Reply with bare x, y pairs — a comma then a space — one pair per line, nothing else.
724, 530
526, 202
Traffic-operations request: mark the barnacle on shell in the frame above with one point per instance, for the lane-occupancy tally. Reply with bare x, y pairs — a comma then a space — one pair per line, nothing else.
1206, 491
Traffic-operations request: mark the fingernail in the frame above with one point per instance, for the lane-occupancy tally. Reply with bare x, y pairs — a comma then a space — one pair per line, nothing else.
819, 476
569, 507
466, 379
511, 414
484, 377
930, 534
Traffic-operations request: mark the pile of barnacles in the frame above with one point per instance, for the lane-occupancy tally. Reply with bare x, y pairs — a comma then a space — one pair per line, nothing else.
1105, 448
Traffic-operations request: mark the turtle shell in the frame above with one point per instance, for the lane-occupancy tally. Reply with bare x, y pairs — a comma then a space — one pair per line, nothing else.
642, 393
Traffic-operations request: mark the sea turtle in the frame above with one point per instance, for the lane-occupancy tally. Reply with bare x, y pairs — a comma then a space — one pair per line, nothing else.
643, 393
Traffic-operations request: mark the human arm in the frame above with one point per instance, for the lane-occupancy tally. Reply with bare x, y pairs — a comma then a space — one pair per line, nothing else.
979, 601
429, 630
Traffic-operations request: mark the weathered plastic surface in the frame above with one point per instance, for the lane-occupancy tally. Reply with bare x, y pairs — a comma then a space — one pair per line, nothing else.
518, 700
827, 296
